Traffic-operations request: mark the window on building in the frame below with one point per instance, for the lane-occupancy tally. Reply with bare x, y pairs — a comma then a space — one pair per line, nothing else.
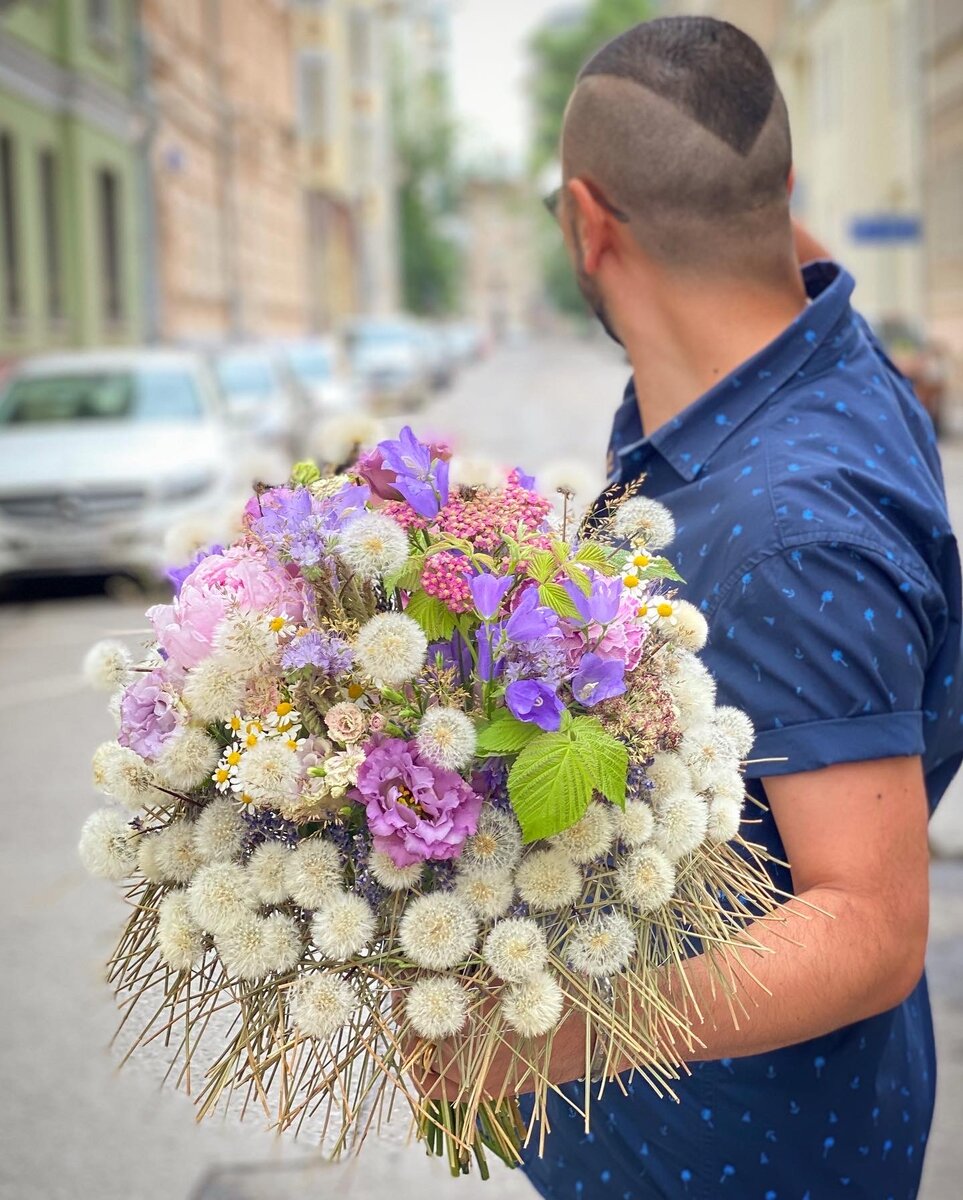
108, 210
50, 218
9, 230
315, 97
361, 47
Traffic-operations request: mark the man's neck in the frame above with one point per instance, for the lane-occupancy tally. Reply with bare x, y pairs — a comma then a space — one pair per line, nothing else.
692, 337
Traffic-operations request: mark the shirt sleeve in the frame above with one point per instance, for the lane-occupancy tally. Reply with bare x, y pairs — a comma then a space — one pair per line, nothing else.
825, 647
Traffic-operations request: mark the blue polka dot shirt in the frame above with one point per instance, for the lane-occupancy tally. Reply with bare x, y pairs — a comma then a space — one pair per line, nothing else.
812, 532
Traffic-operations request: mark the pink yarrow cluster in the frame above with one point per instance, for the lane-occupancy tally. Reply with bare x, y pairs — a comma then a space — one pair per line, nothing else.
445, 576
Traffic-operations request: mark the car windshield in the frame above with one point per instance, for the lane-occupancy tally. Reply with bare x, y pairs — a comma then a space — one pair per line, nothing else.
382, 344
313, 364
157, 394
246, 375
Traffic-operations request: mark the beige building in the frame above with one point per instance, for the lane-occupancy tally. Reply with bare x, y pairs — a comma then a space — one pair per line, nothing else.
503, 283
943, 178
228, 213
342, 71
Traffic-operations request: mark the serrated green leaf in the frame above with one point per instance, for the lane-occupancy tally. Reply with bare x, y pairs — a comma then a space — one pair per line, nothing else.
435, 619
555, 597
661, 568
609, 758
408, 578
578, 577
594, 555
549, 785
541, 565
505, 735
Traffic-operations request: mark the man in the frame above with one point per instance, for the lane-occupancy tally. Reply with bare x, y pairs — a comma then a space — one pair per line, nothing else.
813, 534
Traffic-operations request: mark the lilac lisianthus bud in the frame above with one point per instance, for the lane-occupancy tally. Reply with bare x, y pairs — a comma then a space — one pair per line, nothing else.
530, 619
488, 591
535, 702
598, 679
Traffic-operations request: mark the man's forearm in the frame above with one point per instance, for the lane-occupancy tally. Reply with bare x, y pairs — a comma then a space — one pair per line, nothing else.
824, 972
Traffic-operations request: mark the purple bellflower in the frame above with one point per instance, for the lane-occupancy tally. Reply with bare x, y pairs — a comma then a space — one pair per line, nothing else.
598, 679
488, 591
601, 605
533, 701
530, 619
419, 477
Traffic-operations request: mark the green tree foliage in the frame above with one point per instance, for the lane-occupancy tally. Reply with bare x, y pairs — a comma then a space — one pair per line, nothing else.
427, 192
558, 51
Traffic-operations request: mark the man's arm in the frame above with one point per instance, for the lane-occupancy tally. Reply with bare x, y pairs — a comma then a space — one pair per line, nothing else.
855, 835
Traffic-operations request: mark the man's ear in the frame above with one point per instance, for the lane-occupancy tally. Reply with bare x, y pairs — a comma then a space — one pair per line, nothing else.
593, 225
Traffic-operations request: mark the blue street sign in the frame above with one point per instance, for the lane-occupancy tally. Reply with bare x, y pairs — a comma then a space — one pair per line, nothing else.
886, 227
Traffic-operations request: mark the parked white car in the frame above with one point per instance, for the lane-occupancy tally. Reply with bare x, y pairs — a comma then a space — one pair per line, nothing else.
316, 366
102, 453
262, 401
389, 360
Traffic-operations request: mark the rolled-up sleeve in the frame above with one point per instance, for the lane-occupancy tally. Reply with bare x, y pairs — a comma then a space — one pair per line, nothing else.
825, 646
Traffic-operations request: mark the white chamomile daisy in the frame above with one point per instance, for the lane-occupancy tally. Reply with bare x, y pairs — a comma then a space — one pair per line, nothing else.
488, 894
602, 945
224, 777
108, 844
534, 1006
437, 931
658, 612
320, 1004
282, 626
589, 838
497, 844
391, 648
107, 665
373, 547
437, 1007
446, 738
343, 926
180, 940
548, 879
284, 718
644, 522
515, 949
680, 824
646, 879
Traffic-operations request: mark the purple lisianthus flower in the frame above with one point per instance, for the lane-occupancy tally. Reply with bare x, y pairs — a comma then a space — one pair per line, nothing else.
421, 476
530, 619
415, 811
488, 591
536, 702
148, 712
601, 604
598, 679
524, 480
177, 575
321, 648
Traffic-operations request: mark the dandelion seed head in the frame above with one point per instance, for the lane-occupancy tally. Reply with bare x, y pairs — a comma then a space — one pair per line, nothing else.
515, 948
644, 522
447, 738
374, 546
391, 648
107, 665
437, 931
219, 831
589, 838
180, 941
187, 759
320, 1004
219, 894
108, 845
213, 692
646, 879
692, 688
489, 894
690, 629
725, 817
175, 852
737, 727
129, 779
340, 438
534, 1006
245, 643
313, 872
148, 862
267, 870
548, 879
681, 822
668, 774
708, 754
437, 1007
602, 945
343, 926
497, 845
395, 879
634, 826
270, 773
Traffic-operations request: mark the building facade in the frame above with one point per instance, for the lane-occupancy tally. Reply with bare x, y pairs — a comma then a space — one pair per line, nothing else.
503, 280
71, 187
229, 223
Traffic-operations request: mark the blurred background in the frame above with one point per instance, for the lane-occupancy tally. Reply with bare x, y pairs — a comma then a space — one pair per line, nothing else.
231, 231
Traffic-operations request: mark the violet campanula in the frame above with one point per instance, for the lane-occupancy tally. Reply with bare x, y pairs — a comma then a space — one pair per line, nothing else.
488, 591
421, 478
535, 702
598, 679
601, 605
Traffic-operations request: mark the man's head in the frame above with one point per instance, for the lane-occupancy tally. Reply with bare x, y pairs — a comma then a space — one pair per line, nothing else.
677, 133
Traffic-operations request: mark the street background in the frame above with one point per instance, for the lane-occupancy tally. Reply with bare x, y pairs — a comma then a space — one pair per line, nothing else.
279, 190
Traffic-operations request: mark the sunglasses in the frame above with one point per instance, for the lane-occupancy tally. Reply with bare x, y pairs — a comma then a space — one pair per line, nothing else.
554, 199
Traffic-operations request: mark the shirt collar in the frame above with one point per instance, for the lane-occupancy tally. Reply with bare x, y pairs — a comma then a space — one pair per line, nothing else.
690, 439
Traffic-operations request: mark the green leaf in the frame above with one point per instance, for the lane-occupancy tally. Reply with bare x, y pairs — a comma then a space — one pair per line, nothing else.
594, 555
304, 474
557, 598
578, 577
505, 735
432, 615
661, 568
408, 578
541, 565
554, 777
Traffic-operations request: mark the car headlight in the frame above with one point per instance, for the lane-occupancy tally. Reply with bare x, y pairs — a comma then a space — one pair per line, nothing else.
187, 486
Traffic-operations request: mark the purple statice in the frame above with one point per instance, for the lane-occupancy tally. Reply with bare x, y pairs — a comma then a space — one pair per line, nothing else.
420, 475
321, 648
533, 701
266, 825
541, 658
177, 575
491, 781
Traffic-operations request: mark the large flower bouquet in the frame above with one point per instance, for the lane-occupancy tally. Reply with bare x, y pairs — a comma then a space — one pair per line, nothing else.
419, 774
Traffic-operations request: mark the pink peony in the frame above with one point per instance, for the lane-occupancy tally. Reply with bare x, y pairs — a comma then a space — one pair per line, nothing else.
238, 578
415, 811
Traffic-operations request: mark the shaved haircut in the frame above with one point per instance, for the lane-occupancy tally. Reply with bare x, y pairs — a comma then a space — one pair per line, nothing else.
681, 124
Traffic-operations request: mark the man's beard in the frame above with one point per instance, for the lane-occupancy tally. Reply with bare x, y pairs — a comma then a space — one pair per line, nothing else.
590, 292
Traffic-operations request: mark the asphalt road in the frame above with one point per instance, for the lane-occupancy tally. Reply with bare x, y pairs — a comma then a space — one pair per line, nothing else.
71, 1125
